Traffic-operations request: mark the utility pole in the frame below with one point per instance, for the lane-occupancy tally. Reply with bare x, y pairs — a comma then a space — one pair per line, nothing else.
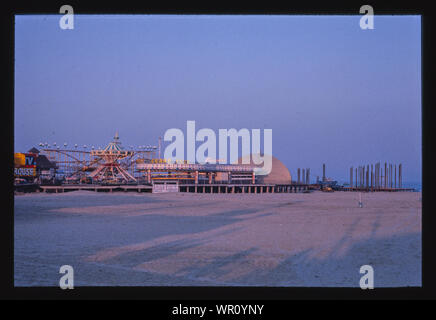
160, 139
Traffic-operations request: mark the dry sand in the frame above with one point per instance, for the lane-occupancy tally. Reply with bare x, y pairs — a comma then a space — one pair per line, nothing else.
129, 239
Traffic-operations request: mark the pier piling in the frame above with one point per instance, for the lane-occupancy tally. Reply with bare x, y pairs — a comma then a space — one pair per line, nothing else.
400, 177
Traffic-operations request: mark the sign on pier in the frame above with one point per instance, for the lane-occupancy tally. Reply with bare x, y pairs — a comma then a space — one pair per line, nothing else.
165, 187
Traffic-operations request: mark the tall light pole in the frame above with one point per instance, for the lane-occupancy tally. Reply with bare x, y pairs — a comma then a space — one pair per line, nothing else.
160, 139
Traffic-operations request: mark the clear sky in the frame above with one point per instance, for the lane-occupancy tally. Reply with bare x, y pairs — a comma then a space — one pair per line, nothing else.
331, 92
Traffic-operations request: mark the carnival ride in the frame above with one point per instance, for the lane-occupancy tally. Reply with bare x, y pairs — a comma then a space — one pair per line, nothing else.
112, 164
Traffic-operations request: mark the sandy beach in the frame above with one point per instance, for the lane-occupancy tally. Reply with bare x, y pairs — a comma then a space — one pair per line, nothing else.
131, 239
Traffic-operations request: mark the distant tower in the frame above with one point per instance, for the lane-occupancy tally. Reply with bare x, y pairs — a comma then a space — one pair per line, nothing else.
323, 172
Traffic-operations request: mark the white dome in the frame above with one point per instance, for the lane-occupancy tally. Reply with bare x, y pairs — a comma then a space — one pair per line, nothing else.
279, 173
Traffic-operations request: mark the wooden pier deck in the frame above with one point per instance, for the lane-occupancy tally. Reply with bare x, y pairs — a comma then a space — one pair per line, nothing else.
97, 188
195, 188
243, 188
213, 188
373, 189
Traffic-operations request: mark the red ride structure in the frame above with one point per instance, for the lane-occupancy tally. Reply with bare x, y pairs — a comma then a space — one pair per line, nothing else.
110, 170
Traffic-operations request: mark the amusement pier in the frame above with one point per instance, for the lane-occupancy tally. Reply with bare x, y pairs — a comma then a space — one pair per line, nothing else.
115, 168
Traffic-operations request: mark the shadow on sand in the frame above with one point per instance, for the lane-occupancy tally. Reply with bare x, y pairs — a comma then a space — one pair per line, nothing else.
46, 244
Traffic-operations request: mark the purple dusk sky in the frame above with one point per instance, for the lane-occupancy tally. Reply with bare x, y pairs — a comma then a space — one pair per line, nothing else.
331, 92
